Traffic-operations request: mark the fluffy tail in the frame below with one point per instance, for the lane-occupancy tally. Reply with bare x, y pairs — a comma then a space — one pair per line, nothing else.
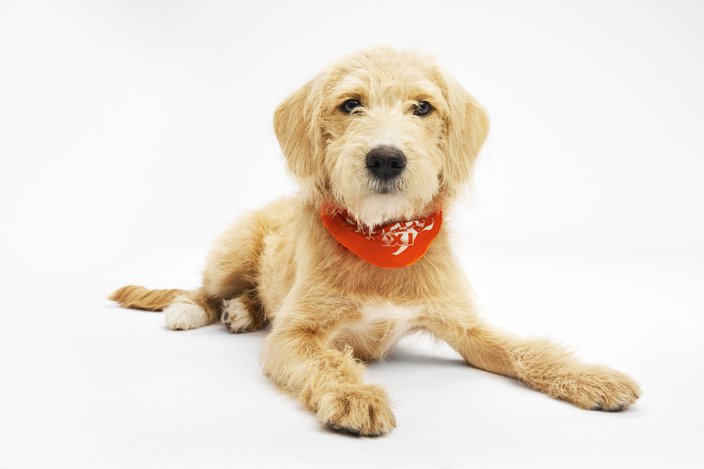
133, 296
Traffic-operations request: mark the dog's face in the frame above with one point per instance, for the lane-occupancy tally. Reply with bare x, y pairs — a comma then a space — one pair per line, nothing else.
383, 134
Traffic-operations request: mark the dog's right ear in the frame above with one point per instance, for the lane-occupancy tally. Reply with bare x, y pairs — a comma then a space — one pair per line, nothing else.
295, 124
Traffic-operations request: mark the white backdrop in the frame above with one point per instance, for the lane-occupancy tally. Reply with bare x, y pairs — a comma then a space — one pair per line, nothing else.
132, 132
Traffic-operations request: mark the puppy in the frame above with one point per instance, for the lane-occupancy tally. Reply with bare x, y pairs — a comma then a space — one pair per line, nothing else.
380, 143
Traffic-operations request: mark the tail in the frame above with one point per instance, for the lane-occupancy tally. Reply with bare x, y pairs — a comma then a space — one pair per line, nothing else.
133, 296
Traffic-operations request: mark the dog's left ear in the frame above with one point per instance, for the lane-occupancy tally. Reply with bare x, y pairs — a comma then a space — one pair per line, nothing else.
467, 125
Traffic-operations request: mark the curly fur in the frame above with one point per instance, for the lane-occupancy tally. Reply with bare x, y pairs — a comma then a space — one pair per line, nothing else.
326, 308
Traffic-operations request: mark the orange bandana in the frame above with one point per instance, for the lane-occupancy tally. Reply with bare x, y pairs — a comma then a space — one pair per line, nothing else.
398, 244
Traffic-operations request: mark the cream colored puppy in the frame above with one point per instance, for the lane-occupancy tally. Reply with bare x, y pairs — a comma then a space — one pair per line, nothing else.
380, 143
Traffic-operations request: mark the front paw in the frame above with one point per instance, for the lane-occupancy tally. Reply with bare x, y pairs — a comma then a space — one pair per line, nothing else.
360, 409
598, 388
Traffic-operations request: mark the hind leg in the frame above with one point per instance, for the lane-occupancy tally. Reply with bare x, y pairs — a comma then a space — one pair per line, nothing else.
194, 309
191, 310
242, 314
229, 269
232, 263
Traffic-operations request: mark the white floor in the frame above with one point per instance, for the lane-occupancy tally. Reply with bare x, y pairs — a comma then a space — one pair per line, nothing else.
87, 385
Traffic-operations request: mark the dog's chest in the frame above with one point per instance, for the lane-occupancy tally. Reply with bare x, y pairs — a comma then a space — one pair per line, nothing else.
382, 324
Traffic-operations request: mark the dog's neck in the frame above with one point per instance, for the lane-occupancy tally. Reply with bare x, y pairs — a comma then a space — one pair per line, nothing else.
398, 243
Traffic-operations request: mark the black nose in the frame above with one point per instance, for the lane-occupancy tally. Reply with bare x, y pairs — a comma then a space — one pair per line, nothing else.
386, 162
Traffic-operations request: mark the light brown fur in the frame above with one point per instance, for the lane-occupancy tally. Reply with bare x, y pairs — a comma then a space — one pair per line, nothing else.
328, 309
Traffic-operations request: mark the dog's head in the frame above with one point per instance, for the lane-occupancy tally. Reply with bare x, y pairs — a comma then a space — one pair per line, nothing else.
384, 134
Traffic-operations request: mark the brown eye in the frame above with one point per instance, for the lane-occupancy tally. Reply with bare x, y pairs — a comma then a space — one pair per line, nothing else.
350, 105
422, 108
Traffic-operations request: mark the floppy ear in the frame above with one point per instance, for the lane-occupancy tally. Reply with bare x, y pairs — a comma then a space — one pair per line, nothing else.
296, 129
467, 125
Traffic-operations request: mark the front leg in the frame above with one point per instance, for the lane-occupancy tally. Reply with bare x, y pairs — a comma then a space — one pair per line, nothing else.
328, 381
539, 363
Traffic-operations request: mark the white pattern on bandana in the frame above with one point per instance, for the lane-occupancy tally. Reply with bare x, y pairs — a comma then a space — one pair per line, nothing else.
399, 234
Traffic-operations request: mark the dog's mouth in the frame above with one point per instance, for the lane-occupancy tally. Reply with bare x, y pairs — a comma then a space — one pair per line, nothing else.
379, 206
379, 186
